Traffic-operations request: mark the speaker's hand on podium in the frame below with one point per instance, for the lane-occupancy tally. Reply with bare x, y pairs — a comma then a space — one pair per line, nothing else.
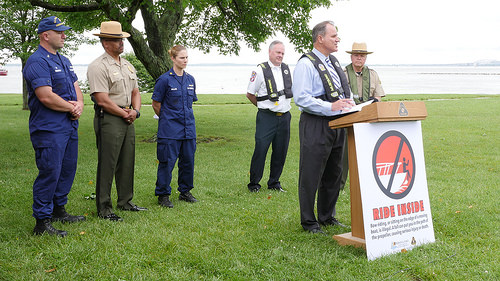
342, 104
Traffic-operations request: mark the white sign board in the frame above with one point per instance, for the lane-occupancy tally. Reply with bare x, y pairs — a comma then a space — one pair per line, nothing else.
393, 186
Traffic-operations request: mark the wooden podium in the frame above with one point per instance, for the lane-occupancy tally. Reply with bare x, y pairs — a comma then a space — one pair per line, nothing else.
375, 112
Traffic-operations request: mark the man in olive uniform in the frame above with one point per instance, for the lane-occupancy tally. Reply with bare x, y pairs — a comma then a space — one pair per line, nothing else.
114, 89
365, 85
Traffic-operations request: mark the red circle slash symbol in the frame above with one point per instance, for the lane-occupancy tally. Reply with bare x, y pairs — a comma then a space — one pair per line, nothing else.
394, 164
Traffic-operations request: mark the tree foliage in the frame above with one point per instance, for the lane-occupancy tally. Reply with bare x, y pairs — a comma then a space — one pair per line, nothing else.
18, 36
146, 82
200, 24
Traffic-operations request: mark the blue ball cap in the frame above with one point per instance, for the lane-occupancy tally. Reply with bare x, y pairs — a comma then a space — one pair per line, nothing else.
51, 23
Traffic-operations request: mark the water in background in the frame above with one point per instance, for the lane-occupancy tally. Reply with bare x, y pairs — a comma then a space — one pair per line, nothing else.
233, 79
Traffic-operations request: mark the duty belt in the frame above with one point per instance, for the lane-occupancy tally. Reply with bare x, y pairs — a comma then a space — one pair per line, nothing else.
273, 112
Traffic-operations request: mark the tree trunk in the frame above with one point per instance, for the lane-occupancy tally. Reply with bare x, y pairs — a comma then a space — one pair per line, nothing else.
25, 88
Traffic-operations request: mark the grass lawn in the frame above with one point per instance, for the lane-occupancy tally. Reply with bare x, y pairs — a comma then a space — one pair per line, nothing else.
232, 234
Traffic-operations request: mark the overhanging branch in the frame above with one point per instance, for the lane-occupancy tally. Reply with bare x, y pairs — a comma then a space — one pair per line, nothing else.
71, 8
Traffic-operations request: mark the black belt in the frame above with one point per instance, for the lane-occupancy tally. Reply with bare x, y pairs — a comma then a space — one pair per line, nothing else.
125, 107
273, 112
330, 118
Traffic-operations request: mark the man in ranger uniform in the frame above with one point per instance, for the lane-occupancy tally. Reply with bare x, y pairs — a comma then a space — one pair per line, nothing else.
113, 86
364, 82
365, 85
321, 91
56, 103
270, 89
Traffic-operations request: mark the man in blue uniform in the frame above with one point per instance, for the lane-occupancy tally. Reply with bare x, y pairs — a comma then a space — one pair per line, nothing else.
321, 91
270, 89
173, 97
56, 103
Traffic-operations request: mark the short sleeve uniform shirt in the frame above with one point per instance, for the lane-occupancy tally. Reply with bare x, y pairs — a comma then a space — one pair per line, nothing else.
257, 87
56, 71
118, 79
176, 95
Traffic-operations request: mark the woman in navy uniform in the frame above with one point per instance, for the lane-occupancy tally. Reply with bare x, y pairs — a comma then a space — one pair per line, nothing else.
173, 97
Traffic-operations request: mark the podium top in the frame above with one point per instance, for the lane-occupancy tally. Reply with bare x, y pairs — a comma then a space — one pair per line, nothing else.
383, 112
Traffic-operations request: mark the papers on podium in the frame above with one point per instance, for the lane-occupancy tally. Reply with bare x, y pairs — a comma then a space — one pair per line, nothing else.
358, 107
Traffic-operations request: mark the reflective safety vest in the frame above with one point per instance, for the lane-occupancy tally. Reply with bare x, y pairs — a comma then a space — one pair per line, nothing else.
272, 92
331, 93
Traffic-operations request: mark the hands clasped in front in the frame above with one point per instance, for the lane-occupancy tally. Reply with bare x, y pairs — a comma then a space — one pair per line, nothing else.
130, 117
77, 110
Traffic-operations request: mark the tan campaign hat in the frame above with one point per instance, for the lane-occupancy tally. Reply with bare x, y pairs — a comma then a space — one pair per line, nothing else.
112, 29
359, 48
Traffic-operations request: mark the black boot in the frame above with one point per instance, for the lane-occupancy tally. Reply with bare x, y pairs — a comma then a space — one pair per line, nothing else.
44, 226
60, 214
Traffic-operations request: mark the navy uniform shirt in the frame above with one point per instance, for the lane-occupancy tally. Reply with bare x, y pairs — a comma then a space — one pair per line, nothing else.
46, 69
176, 95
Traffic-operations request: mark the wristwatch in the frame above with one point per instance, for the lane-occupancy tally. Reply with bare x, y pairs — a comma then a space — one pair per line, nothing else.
138, 113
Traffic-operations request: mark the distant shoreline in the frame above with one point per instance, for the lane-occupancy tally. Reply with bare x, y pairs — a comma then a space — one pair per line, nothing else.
475, 64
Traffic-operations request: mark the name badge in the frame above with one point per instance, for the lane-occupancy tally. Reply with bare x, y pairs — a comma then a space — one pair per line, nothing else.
173, 89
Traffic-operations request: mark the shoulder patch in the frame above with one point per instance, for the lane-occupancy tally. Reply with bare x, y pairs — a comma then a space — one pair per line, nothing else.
252, 78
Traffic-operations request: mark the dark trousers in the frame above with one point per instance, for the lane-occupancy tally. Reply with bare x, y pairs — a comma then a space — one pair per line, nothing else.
168, 151
116, 157
345, 163
271, 128
56, 156
320, 168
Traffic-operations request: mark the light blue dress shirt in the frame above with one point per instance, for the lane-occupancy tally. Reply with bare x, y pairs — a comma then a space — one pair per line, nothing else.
307, 86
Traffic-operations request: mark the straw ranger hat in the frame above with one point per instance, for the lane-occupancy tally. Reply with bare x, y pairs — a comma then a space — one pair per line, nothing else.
112, 29
359, 48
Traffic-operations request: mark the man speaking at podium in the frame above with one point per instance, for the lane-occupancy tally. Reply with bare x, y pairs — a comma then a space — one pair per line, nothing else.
321, 91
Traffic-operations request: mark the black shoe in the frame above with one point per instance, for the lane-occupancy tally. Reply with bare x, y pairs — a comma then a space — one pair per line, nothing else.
134, 208
60, 214
188, 197
164, 201
253, 187
277, 188
44, 226
111, 217
333, 221
316, 231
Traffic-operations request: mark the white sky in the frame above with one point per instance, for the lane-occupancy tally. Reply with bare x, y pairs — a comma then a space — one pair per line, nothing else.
397, 31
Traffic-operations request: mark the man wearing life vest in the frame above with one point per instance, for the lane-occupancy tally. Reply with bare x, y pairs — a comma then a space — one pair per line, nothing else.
321, 91
270, 89
365, 85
